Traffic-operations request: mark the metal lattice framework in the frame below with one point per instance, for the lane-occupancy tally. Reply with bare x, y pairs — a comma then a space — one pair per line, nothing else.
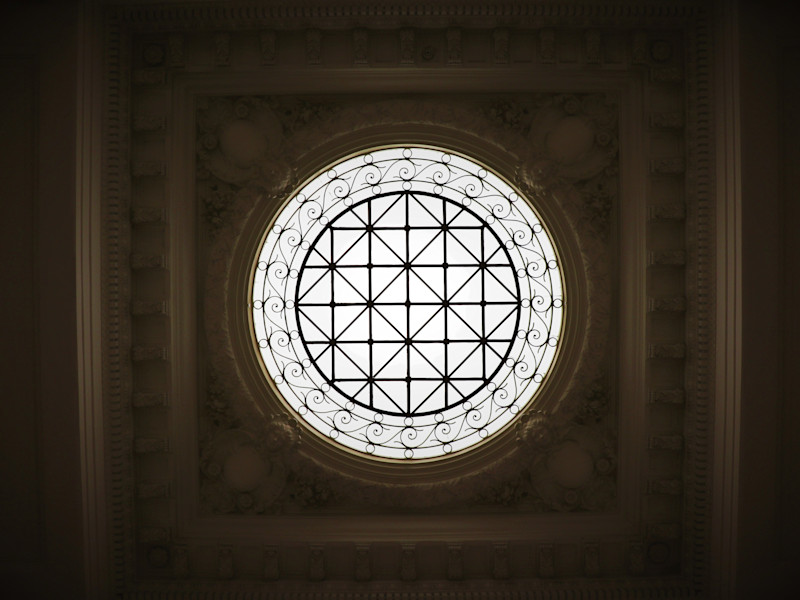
407, 303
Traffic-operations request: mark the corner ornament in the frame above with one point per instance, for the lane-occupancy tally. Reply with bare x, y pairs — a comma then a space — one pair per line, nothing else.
281, 434
535, 431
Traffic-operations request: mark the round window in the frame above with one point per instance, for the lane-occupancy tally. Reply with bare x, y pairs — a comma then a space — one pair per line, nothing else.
407, 303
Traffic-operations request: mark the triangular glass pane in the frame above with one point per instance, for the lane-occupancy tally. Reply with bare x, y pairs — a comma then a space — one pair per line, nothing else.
355, 390
500, 285
492, 251
424, 211
357, 277
464, 322
389, 211
389, 323
389, 361
420, 291
500, 321
419, 316
347, 292
464, 284
314, 286
348, 219
426, 247
427, 396
426, 284
495, 353
464, 246
320, 253
319, 351
359, 353
432, 329
344, 240
361, 211
461, 389
457, 254
390, 397
357, 255
363, 396
452, 210
459, 217
346, 362
470, 366
351, 323
427, 361
322, 355
388, 247
457, 353
389, 284
315, 323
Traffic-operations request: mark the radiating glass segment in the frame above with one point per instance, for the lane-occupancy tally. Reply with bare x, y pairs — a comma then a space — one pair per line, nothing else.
407, 303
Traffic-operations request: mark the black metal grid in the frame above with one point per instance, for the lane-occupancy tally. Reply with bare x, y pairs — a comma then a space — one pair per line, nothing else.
337, 294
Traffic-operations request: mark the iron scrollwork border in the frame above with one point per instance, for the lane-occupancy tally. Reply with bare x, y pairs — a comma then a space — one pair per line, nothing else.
461, 184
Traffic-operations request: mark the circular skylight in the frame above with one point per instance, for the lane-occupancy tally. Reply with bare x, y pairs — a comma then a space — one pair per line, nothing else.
407, 303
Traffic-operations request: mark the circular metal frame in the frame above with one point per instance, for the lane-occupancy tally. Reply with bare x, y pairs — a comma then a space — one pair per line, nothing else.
374, 240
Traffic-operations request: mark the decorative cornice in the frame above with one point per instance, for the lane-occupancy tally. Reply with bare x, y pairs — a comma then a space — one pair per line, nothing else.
145, 353
701, 293
116, 290
268, 22
149, 123
149, 491
667, 304
149, 76
639, 588
148, 168
337, 14
666, 442
148, 261
668, 396
147, 214
149, 399
148, 307
667, 258
145, 445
